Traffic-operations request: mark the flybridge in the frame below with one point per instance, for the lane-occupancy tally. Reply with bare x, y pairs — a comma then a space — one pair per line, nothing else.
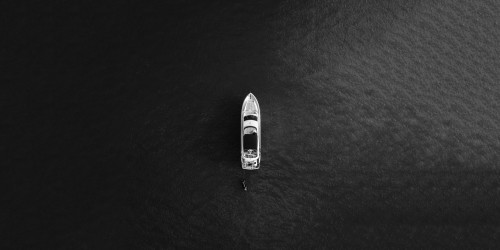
250, 133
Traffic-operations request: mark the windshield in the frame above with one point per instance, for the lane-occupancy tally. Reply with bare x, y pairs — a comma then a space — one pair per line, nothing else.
250, 117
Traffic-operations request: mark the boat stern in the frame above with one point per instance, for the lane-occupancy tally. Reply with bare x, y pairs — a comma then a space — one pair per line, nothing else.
250, 164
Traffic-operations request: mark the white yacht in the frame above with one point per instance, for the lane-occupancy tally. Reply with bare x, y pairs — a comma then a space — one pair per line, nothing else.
250, 133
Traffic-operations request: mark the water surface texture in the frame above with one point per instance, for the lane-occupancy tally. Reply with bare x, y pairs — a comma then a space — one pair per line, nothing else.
380, 125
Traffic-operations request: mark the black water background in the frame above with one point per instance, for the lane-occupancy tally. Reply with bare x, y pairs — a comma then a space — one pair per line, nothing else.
380, 124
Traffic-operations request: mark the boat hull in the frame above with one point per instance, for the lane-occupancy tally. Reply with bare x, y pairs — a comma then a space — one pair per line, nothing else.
250, 133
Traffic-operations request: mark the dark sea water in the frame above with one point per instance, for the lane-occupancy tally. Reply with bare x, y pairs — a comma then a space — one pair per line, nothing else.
380, 125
